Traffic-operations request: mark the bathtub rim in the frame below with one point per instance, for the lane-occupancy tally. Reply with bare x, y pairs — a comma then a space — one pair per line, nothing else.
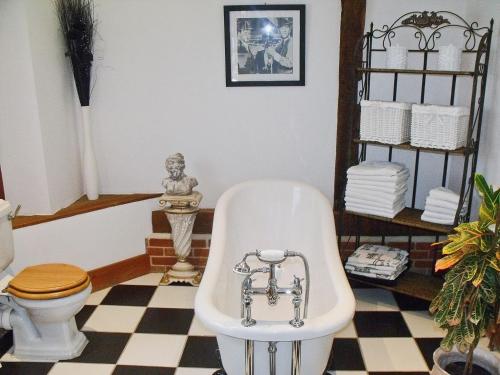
328, 323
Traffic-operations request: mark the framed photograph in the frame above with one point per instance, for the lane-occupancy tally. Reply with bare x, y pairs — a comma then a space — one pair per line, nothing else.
265, 45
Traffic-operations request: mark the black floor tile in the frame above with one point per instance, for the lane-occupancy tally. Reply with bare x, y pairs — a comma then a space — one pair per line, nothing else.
380, 324
103, 347
161, 320
200, 352
427, 347
142, 370
129, 295
26, 368
406, 302
347, 355
6, 341
84, 315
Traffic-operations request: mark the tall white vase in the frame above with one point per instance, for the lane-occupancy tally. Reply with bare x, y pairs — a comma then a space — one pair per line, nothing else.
89, 164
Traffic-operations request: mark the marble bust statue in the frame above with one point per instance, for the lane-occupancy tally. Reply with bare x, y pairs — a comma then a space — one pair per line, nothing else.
177, 183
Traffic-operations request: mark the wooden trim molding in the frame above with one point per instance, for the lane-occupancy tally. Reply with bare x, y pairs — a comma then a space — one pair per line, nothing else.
351, 30
82, 206
119, 272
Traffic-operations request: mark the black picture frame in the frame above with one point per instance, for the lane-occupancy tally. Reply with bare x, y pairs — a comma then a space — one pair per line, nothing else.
259, 49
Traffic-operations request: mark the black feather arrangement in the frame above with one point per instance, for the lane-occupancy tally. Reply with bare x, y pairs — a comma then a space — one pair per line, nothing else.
77, 24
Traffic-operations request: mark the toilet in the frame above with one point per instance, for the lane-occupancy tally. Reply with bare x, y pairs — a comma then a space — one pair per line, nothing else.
39, 304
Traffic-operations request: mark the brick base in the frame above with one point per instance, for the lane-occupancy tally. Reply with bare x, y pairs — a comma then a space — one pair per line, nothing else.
160, 249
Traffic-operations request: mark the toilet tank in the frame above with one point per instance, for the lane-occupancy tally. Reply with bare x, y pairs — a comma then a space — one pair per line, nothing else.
6, 236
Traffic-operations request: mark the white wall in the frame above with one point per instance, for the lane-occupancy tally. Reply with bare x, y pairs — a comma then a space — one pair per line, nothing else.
160, 89
90, 240
382, 12
39, 153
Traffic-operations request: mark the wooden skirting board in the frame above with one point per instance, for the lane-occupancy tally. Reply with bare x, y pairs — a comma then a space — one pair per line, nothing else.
119, 272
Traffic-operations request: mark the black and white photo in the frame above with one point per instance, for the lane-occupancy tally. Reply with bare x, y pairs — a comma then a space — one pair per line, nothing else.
264, 45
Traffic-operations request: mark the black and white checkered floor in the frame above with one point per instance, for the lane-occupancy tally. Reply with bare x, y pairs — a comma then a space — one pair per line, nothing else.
141, 328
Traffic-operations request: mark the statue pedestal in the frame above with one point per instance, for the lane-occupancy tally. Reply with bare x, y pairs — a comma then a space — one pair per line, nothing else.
181, 211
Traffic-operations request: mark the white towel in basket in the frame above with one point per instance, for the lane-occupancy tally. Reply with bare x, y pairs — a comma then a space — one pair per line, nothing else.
376, 168
444, 194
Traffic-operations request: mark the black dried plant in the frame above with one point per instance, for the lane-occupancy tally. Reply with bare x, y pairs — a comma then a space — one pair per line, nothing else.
77, 25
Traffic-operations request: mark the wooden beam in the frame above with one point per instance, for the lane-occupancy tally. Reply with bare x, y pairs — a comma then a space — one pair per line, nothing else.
351, 30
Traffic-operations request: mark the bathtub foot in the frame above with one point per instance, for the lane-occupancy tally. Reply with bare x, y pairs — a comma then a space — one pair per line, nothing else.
272, 357
220, 372
249, 359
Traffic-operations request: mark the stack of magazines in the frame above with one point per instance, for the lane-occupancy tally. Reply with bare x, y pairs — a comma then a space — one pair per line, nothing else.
377, 262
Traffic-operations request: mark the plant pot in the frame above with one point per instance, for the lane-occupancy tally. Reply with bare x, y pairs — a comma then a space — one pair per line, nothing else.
482, 357
89, 164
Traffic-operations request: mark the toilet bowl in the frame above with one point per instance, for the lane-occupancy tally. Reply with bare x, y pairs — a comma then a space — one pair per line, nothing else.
39, 304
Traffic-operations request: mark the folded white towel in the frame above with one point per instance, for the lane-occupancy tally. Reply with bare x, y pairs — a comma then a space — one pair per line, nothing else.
376, 168
383, 204
433, 219
386, 187
366, 192
378, 276
444, 194
439, 210
362, 209
396, 179
440, 203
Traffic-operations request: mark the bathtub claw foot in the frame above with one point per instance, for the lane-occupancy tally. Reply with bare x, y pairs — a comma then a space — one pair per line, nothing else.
220, 372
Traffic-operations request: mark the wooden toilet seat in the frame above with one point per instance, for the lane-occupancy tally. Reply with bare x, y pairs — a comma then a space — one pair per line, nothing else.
48, 281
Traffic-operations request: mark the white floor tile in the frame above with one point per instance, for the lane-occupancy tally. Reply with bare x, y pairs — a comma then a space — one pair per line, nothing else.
335, 372
153, 350
198, 329
180, 297
348, 332
65, 368
8, 357
97, 297
194, 371
421, 324
110, 318
368, 299
392, 354
149, 279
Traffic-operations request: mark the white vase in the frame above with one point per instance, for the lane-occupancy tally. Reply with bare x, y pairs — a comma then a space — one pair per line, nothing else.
89, 164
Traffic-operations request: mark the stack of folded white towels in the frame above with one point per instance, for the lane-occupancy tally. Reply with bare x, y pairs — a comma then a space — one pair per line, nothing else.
377, 261
441, 206
376, 188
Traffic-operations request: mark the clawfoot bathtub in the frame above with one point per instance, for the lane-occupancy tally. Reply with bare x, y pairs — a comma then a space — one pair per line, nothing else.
274, 214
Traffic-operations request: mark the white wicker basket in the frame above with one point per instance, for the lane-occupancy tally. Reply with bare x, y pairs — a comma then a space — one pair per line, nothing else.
436, 126
386, 122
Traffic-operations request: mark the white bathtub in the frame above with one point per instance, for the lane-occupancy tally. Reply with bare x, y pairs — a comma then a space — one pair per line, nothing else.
274, 214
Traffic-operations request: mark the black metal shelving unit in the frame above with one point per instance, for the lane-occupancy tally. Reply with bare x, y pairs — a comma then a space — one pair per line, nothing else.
427, 28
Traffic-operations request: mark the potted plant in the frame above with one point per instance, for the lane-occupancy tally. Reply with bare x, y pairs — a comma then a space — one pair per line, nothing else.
467, 306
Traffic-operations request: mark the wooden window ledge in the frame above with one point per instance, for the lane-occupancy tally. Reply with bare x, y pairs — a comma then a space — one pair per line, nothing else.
82, 206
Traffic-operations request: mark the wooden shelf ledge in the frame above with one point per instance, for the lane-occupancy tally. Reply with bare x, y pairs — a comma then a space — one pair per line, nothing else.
82, 206
411, 218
